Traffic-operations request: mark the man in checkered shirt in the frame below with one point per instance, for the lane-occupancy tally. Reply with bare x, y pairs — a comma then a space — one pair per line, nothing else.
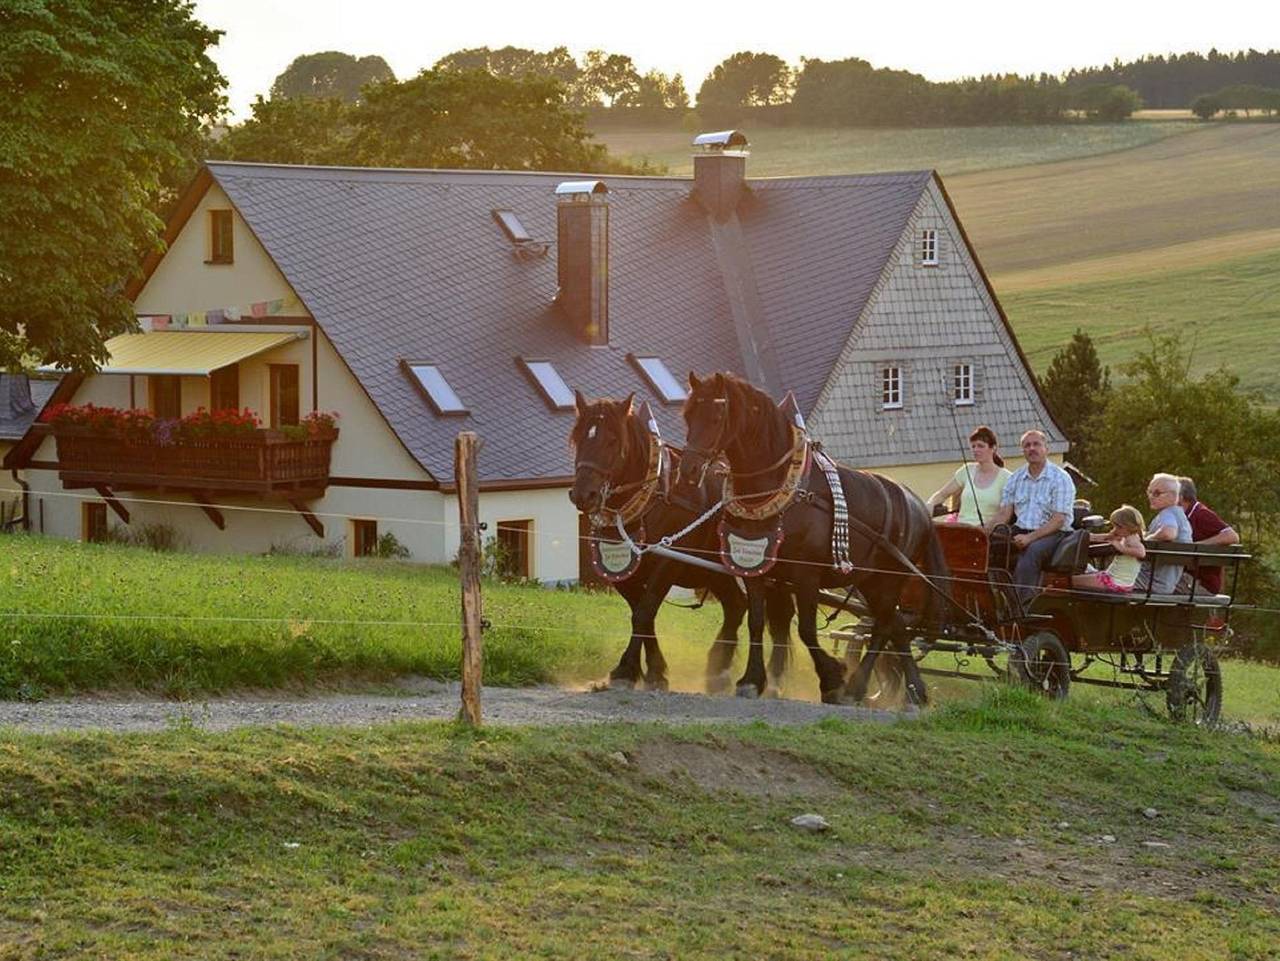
1037, 499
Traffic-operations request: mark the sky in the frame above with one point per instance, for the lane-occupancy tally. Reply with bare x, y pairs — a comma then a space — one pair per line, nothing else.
941, 40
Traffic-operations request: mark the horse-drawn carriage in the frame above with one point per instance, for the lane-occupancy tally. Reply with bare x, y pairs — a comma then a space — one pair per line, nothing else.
751, 497
1149, 641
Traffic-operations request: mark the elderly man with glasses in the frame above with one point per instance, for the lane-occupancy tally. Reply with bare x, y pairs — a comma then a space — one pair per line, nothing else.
1169, 524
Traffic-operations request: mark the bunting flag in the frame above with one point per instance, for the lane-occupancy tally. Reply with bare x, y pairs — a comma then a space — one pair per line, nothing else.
222, 315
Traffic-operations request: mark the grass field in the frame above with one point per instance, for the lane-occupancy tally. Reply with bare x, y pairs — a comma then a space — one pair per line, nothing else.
1008, 828
98, 617
806, 151
1229, 313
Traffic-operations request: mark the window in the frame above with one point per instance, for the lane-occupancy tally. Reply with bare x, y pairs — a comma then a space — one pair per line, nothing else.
221, 244
432, 385
364, 538
929, 248
284, 395
891, 387
224, 388
93, 522
962, 384
166, 396
512, 227
513, 548
659, 378
552, 386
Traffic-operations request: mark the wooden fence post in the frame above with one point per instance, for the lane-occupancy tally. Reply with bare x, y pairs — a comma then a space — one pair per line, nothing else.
464, 473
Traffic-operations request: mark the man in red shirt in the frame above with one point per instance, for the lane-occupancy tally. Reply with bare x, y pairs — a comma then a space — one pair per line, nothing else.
1206, 528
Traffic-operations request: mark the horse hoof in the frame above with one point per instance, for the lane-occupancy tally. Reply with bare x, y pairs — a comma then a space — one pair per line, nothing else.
720, 683
772, 691
621, 684
834, 696
656, 684
749, 691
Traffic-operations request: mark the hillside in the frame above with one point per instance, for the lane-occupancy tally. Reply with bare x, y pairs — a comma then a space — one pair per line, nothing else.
807, 151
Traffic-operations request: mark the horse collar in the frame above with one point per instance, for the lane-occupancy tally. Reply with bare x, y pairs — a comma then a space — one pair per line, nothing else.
756, 507
638, 503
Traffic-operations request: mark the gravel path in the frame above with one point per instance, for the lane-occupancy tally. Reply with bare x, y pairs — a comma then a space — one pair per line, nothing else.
414, 701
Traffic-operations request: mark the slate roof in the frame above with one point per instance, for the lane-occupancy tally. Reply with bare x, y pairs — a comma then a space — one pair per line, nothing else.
409, 264
21, 401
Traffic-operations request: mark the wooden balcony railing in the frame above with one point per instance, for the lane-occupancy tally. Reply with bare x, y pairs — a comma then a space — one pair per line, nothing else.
265, 461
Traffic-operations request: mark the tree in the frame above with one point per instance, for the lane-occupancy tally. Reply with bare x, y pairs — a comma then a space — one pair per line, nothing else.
290, 131
475, 119
101, 104
1108, 102
1206, 106
330, 74
611, 77
742, 81
1076, 388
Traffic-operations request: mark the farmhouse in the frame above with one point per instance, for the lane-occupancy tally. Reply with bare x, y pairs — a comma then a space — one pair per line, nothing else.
417, 303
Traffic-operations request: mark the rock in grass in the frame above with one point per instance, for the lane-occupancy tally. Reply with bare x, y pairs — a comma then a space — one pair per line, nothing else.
1156, 844
1150, 813
810, 822
617, 757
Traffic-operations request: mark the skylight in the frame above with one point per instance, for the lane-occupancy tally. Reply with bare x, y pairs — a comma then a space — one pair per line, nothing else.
554, 390
435, 388
511, 226
659, 378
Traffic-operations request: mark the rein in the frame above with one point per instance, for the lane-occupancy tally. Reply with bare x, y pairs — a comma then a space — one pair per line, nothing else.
644, 489
796, 460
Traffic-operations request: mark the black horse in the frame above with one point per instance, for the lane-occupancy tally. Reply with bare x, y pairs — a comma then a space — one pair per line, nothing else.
768, 456
616, 470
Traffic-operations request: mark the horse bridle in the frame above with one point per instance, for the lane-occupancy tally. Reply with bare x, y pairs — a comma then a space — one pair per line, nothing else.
709, 456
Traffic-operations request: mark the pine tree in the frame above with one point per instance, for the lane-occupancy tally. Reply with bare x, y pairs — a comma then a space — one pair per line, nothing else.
1077, 387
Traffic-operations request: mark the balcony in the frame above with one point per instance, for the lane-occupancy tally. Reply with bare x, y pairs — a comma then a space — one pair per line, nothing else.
264, 462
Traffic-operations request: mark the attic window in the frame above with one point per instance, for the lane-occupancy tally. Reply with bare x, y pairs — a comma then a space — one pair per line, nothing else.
659, 378
962, 384
891, 388
511, 226
549, 383
221, 247
929, 248
431, 383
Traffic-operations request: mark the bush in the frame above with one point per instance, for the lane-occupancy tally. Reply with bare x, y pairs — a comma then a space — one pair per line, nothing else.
156, 536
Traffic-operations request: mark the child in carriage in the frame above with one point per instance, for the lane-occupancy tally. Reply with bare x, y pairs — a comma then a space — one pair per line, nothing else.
1125, 537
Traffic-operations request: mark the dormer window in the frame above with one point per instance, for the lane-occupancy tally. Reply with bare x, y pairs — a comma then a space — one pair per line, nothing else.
891, 388
432, 385
221, 242
929, 248
550, 384
659, 378
962, 384
511, 226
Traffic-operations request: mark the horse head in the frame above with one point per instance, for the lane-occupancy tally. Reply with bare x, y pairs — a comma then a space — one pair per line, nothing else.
602, 443
707, 428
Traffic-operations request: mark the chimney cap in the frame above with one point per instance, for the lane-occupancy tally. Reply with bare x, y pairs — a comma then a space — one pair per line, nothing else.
721, 140
579, 188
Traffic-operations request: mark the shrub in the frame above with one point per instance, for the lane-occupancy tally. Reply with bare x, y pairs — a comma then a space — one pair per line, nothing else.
390, 548
316, 424
156, 536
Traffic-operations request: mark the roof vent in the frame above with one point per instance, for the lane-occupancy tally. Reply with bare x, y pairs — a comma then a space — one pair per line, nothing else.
720, 172
581, 189
721, 140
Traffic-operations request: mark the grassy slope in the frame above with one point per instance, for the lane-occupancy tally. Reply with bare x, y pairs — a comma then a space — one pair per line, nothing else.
537, 635
425, 841
803, 151
1229, 311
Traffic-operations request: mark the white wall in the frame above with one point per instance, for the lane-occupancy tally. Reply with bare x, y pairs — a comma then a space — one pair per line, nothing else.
554, 535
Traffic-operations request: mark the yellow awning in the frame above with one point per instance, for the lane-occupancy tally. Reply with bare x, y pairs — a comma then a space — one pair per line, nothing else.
189, 353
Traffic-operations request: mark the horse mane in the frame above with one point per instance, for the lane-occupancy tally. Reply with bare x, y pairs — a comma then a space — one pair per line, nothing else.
751, 410
618, 415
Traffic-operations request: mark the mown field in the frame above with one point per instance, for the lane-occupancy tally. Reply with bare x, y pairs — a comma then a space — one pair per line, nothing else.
84, 617
806, 151
1006, 828
1227, 314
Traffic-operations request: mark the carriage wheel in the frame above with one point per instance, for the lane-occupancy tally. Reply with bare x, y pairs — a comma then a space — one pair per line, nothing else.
1042, 663
1194, 693
884, 686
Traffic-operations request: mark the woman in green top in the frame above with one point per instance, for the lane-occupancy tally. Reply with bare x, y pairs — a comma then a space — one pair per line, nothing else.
979, 483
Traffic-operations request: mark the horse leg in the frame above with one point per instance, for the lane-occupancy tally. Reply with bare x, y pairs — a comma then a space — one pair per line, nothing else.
882, 614
778, 611
627, 671
753, 681
829, 670
643, 616
916, 693
733, 607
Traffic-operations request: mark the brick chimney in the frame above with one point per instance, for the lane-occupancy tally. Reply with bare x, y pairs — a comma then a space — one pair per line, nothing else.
720, 171
582, 251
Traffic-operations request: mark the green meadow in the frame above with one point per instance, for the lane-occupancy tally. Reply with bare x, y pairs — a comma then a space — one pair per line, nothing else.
1006, 827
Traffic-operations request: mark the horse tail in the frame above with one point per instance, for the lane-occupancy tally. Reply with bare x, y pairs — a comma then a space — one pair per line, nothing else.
937, 610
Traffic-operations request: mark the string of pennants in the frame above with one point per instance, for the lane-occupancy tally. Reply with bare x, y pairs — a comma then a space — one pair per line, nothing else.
221, 315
